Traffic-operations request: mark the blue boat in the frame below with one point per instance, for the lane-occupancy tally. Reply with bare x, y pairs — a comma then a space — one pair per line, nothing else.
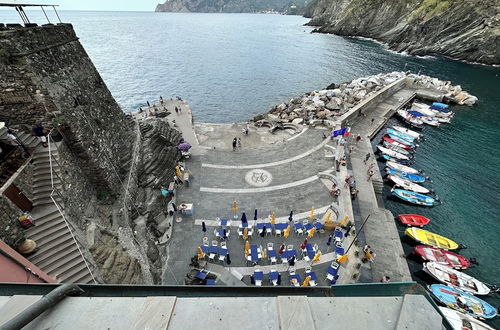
392, 159
440, 107
401, 139
462, 301
404, 175
401, 135
413, 197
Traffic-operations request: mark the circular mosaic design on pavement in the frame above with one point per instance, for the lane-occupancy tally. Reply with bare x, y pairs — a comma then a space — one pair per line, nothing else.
258, 177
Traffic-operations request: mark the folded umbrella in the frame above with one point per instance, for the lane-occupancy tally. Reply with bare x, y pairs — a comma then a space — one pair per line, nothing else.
184, 146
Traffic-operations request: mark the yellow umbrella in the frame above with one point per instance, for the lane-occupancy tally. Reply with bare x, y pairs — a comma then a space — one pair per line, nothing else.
306, 281
342, 259
245, 234
201, 255
311, 214
344, 221
311, 232
273, 218
316, 257
178, 172
264, 254
235, 206
287, 231
247, 248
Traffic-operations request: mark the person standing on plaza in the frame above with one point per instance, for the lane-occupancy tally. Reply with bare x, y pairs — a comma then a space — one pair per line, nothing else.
235, 142
239, 142
370, 174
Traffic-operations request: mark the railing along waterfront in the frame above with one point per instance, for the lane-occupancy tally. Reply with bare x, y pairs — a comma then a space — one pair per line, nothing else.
51, 143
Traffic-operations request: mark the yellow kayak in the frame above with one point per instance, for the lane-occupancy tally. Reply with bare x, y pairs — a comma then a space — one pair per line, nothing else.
428, 238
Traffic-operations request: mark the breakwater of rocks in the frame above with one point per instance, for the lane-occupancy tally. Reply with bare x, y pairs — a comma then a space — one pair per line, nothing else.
337, 99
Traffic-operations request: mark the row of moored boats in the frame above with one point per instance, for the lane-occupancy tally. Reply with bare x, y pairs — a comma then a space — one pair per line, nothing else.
397, 149
458, 291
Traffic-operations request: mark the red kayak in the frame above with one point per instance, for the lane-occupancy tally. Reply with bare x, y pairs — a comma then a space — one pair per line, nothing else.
413, 220
399, 144
441, 256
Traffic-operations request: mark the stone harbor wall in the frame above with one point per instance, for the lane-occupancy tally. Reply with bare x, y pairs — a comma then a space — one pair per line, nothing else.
338, 99
111, 165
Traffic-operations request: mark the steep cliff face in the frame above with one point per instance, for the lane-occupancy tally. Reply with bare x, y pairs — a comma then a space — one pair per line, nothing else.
461, 29
227, 6
111, 165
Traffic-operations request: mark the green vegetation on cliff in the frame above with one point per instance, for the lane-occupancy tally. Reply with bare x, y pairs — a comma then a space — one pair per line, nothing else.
462, 29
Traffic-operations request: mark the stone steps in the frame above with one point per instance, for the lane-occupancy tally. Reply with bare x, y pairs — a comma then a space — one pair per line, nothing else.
57, 252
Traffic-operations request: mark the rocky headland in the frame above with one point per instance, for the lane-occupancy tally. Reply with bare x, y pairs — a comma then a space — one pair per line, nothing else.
461, 29
296, 7
337, 99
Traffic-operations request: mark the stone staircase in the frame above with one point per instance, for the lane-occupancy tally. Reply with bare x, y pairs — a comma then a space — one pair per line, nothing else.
58, 254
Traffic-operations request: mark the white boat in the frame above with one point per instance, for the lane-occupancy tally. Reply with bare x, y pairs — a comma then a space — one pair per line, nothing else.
408, 185
456, 279
461, 321
443, 119
401, 167
405, 130
392, 153
430, 121
410, 119
424, 109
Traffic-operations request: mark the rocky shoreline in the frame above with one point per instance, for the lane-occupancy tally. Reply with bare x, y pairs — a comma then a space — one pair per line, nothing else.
337, 99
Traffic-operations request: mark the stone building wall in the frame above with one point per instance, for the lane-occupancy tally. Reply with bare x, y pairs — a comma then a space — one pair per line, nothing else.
111, 167
48, 71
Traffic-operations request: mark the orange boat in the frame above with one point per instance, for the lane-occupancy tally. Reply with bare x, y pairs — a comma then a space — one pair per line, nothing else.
413, 220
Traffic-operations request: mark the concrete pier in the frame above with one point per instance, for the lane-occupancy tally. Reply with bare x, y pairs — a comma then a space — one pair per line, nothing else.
290, 170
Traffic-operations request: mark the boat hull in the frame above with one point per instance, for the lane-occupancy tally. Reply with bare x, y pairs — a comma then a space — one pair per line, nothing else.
406, 176
413, 197
475, 307
426, 237
456, 279
444, 257
401, 167
407, 185
413, 220
407, 131
392, 153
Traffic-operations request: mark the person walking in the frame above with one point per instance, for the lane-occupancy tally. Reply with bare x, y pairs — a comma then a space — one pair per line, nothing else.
367, 157
37, 130
239, 142
161, 100
176, 110
358, 137
148, 104
370, 167
16, 143
370, 174
371, 122
235, 142
347, 181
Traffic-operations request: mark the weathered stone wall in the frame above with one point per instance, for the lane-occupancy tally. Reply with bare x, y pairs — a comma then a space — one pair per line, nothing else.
24, 180
51, 60
111, 167
10, 230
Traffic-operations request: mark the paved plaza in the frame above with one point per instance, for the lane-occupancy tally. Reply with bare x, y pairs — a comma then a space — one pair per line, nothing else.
267, 174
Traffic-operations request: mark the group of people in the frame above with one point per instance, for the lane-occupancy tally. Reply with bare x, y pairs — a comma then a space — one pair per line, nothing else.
236, 143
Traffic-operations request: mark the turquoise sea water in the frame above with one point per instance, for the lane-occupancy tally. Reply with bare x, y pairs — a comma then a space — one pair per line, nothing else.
233, 66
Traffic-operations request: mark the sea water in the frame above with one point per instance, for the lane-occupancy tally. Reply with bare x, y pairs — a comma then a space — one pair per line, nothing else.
230, 67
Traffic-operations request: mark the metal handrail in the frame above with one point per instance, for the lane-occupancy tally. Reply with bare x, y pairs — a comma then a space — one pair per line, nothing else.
49, 139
